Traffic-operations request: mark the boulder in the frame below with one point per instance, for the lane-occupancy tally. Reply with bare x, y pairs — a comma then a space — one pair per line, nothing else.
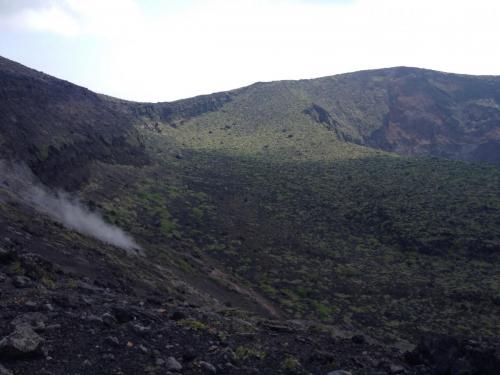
23, 342
172, 364
108, 319
140, 329
35, 320
207, 367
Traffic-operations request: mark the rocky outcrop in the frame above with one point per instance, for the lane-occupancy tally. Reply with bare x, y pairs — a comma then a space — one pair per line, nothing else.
174, 113
188, 108
323, 117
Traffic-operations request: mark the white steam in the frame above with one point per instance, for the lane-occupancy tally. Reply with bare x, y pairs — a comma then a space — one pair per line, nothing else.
69, 211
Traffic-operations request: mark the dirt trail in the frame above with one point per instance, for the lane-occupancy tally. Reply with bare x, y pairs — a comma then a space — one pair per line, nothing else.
249, 294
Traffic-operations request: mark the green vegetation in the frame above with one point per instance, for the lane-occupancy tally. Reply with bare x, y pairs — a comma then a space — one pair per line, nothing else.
244, 353
193, 324
290, 364
346, 235
324, 228
48, 282
16, 268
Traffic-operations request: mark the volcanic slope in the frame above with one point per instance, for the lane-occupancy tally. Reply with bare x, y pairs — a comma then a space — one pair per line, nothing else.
257, 204
329, 229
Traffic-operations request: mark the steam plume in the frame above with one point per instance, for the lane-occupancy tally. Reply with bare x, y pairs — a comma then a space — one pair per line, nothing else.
23, 185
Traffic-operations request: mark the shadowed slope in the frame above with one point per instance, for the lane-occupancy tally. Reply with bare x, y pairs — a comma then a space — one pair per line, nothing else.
58, 128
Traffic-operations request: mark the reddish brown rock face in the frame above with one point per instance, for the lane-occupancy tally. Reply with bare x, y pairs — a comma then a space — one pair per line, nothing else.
438, 114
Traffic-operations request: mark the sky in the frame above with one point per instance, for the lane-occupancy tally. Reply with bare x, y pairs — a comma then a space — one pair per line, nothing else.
152, 50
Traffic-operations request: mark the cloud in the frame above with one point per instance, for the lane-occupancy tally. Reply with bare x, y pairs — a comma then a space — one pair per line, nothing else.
52, 19
38, 16
154, 50
11, 7
72, 18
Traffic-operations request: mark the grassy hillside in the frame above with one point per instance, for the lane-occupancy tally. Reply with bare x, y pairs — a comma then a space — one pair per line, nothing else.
327, 231
267, 182
404, 110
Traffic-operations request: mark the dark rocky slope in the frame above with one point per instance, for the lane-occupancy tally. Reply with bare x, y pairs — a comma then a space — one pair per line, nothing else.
66, 307
69, 305
58, 128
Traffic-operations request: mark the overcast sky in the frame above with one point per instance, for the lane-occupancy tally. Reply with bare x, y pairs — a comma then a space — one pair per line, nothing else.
152, 50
